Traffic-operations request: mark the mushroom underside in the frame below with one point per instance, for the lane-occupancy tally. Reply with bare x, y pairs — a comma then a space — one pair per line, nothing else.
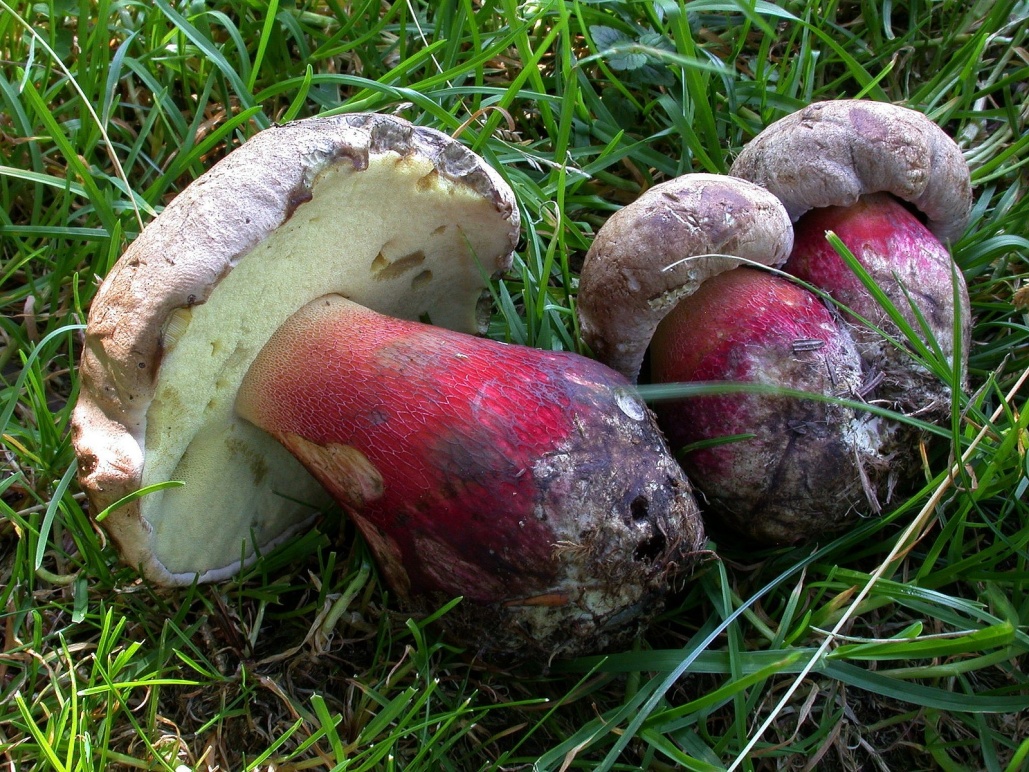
399, 218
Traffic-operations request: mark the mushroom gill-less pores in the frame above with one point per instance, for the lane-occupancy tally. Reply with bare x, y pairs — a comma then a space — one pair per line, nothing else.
533, 483
407, 222
792, 468
895, 188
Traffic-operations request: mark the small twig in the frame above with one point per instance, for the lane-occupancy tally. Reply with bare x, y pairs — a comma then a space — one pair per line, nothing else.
37, 508
29, 317
870, 385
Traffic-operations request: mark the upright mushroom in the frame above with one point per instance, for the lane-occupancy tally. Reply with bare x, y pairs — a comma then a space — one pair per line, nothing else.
405, 221
787, 468
661, 248
895, 188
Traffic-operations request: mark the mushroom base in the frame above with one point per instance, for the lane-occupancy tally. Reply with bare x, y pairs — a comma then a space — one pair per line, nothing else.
533, 484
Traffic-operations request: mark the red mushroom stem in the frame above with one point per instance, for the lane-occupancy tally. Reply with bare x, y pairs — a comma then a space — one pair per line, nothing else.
805, 465
893, 245
501, 473
913, 269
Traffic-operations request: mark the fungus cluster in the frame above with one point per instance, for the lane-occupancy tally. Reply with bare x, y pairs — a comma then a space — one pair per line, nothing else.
264, 341
261, 342
776, 467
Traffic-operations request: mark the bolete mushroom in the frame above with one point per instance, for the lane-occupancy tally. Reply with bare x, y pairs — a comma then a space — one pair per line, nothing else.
661, 248
394, 216
892, 185
671, 261
532, 483
404, 221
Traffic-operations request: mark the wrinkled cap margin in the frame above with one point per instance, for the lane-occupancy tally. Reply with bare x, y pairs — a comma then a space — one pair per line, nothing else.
830, 153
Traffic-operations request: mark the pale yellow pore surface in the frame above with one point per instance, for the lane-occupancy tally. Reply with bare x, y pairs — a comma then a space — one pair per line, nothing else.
395, 237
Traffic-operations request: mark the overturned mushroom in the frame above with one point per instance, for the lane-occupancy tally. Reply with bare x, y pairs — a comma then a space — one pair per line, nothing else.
893, 186
400, 219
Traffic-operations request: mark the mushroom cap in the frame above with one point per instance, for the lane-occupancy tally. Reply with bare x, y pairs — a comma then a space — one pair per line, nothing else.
400, 218
830, 153
662, 247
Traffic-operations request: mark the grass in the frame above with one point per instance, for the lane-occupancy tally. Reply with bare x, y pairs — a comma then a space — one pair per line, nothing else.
899, 645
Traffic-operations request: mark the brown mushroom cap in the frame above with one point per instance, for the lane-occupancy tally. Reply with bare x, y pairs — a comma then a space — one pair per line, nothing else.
830, 153
662, 247
400, 218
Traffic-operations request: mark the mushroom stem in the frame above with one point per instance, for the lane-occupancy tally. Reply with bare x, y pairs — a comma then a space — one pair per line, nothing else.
534, 482
912, 268
798, 468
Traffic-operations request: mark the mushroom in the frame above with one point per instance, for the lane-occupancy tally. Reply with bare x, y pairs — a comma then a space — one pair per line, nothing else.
535, 484
668, 272
892, 185
410, 225
661, 248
